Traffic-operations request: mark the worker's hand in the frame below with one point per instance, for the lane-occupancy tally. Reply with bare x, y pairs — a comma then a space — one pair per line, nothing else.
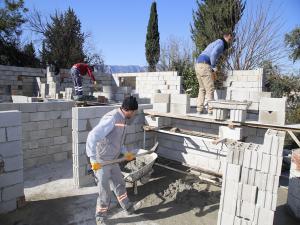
214, 76
129, 156
96, 166
95, 82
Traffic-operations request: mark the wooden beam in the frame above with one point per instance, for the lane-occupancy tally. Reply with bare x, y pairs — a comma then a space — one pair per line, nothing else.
294, 137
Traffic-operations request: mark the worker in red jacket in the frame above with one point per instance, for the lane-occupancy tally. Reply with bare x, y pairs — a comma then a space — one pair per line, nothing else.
77, 71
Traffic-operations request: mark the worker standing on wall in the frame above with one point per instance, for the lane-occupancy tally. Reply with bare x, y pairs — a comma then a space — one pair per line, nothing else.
205, 68
77, 71
104, 143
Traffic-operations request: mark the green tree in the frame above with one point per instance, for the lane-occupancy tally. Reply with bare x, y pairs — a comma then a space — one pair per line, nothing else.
292, 40
11, 20
30, 58
152, 39
212, 19
63, 42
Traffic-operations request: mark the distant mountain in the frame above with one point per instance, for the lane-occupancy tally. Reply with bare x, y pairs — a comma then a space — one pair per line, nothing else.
125, 69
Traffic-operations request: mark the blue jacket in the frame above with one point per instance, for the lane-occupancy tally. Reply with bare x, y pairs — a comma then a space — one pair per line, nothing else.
211, 53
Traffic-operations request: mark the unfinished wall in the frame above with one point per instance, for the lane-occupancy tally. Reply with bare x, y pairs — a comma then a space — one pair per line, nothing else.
58, 83
19, 81
148, 82
247, 85
83, 121
11, 161
46, 131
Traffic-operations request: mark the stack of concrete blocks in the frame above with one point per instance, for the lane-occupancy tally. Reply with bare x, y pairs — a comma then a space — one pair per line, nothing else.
46, 131
53, 83
237, 111
19, 81
294, 185
11, 161
180, 104
84, 119
251, 180
247, 85
168, 82
44, 90
272, 111
161, 102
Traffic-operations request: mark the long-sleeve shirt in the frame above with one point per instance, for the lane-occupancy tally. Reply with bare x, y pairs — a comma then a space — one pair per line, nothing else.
84, 69
211, 53
103, 128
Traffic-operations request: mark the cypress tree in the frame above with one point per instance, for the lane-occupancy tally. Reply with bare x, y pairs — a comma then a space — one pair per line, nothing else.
152, 39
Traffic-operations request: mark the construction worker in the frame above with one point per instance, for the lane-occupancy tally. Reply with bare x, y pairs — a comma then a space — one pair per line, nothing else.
77, 71
104, 143
205, 68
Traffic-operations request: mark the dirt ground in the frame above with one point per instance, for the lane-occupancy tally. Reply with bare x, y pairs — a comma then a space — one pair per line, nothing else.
168, 198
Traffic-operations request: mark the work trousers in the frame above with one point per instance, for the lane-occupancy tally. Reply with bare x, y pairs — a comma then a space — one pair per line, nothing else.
77, 81
206, 85
110, 177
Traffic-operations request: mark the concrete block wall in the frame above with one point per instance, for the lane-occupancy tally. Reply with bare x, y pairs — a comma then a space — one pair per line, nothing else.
294, 184
19, 81
251, 180
246, 85
59, 83
11, 161
197, 152
168, 82
83, 121
46, 131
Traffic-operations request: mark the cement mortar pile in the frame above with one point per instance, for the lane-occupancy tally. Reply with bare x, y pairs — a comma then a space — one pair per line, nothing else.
189, 191
135, 165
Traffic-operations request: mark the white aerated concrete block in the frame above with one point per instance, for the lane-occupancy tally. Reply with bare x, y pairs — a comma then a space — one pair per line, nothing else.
179, 108
230, 133
272, 110
14, 133
161, 98
161, 107
157, 121
10, 118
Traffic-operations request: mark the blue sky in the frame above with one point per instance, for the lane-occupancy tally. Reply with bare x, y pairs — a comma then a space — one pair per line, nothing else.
118, 27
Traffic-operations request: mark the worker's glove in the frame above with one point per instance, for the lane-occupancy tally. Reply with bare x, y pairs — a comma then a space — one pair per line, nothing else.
96, 166
95, 82
129, 156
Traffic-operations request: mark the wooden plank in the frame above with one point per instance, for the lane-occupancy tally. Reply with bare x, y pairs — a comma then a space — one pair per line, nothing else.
294, 137
255, 124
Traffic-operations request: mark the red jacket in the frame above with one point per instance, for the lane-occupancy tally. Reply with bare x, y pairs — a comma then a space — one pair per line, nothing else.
84, 69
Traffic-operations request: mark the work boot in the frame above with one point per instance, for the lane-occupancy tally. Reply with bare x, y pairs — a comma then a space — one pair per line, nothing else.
133, 207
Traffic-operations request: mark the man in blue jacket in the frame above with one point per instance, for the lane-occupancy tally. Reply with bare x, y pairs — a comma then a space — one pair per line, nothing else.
205, 66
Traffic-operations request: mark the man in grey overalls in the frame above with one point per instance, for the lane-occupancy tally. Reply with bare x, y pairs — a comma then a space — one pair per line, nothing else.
104, 143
